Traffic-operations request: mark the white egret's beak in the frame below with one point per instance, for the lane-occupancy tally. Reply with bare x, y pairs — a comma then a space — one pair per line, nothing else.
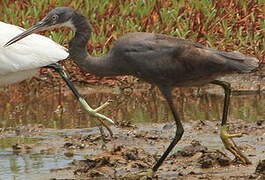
38, 27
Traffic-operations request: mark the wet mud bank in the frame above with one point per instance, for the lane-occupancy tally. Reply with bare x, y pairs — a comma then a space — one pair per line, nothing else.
199, 155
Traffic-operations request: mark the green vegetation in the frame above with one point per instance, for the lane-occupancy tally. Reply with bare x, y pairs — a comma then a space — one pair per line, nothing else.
224, 24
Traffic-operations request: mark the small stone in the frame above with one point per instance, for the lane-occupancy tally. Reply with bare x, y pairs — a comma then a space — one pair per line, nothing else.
260, 169
260, 122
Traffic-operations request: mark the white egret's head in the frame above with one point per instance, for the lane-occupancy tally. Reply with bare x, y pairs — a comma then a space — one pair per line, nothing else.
61, 16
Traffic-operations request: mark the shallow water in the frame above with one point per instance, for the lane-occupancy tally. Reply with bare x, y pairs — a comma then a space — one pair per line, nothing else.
24, 166
62, 111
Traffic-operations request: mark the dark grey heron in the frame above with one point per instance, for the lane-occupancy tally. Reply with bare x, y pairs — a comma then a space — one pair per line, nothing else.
164, 61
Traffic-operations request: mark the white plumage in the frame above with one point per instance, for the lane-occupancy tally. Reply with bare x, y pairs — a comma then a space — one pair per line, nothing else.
22, 59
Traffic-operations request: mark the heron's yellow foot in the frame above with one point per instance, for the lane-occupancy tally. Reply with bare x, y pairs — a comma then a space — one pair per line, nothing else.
138, 176
103, 105
231, 146
94, 112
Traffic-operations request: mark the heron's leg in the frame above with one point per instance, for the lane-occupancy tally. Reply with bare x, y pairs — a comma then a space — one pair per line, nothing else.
93, 112
179, 128
226, 137
166, 91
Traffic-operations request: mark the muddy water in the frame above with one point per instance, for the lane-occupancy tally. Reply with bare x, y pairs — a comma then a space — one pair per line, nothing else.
135, 105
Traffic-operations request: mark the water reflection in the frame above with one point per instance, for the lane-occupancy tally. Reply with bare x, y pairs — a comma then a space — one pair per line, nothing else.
60, 111
25, 166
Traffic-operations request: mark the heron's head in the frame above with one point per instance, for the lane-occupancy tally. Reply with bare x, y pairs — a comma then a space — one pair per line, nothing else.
61, 16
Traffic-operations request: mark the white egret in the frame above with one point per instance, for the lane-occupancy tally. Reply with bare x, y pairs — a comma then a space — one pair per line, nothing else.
23, 59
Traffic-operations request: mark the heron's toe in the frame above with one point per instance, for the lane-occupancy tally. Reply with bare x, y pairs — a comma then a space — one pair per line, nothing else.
103, 106
231, 146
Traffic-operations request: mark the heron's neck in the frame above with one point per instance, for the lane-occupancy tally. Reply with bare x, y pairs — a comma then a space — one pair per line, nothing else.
78, 49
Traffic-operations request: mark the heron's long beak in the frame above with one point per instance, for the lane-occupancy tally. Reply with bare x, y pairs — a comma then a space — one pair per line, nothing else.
38, 27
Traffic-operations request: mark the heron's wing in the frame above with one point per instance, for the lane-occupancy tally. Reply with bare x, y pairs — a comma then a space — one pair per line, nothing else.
160, 54
31, 52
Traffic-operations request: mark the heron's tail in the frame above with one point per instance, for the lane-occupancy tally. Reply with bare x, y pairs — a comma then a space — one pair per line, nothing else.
239, 62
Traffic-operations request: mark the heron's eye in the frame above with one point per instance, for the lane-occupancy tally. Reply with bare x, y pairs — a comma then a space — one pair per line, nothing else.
54, 17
